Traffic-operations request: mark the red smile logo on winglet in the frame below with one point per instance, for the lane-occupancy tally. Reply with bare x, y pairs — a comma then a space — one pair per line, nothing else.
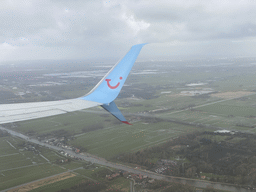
113, 87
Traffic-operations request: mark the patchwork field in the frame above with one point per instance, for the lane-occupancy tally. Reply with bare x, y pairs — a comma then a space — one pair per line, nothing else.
24, 170
122, 138
71, 122
154, 103
236, 113
18, 166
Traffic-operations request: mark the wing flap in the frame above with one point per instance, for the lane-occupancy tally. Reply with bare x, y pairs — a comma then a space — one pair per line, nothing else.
112, 108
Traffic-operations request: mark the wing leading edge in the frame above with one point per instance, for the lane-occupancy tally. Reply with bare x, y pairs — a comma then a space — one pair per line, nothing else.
103, 94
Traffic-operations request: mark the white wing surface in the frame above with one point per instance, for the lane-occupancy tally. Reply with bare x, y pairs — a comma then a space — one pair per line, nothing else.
25, 111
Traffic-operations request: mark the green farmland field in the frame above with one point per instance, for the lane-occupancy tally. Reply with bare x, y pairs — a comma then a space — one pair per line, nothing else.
18, 166
164, 114
122, 138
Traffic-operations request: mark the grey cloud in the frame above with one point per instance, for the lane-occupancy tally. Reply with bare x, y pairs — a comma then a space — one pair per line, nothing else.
201, 21
82, 29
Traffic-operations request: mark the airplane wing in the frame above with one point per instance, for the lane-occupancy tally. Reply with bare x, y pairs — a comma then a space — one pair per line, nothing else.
25, 111
103, 94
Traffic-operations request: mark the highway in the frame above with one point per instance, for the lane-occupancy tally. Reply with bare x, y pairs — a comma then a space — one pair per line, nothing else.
101, 161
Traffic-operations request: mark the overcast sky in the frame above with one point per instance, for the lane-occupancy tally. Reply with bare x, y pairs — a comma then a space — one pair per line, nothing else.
74, 29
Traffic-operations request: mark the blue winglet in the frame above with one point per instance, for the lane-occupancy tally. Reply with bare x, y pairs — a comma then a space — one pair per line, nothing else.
112, 108
111, 84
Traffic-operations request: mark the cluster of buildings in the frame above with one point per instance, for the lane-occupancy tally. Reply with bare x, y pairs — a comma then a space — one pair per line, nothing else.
59, 142
69, 155
138, 179
163, 165
55, 141
30, 147
112, 176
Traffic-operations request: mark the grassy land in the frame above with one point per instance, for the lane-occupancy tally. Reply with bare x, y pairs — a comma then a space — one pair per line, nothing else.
119, 139
19, 166
236, 114
64, 184
230, 114
83, 175
71, 122
23, 175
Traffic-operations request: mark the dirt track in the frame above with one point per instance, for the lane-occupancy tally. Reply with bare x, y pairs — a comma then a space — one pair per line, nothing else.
43, 182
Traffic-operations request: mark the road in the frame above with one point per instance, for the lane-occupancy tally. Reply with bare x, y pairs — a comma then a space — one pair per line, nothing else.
101, 161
